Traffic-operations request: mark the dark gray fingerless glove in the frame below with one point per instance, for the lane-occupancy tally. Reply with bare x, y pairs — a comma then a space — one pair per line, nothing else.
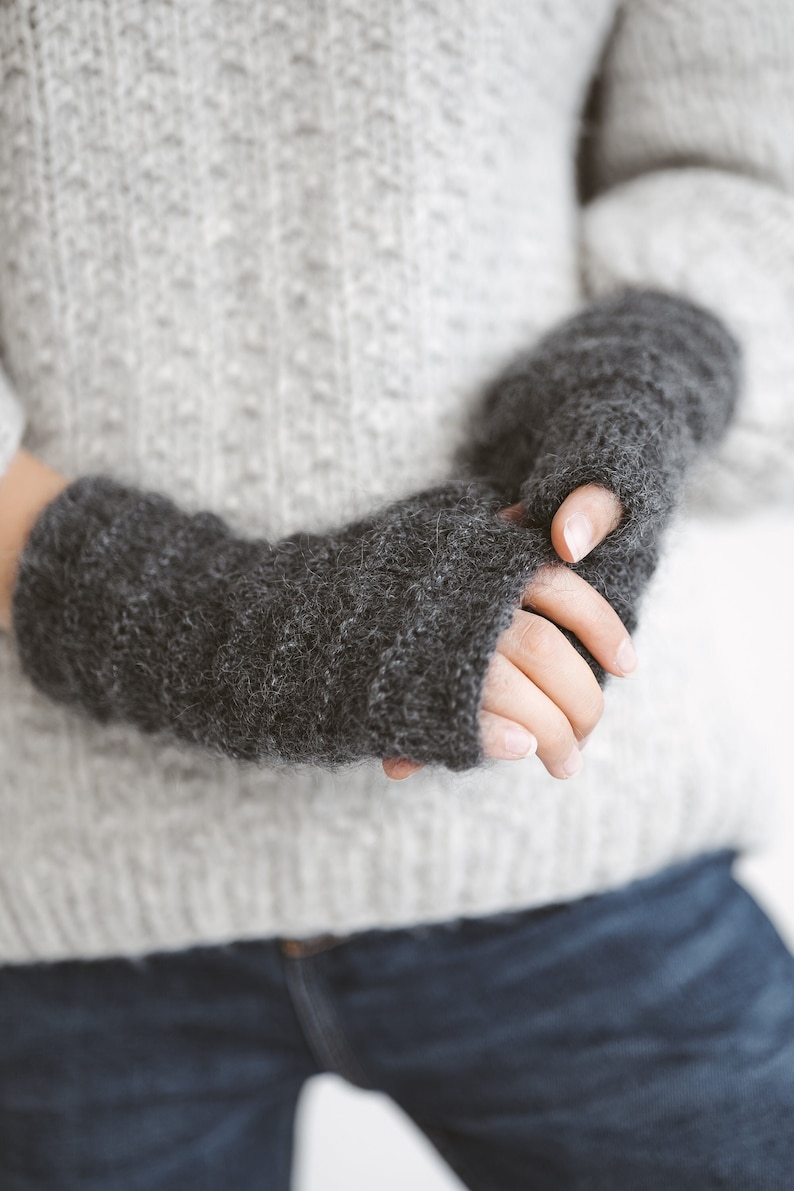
369, 642
625, 394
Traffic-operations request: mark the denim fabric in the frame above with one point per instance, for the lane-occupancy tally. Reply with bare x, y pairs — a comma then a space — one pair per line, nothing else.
639, 1040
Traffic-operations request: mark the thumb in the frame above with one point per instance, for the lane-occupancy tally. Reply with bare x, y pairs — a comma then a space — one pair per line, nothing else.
583, 520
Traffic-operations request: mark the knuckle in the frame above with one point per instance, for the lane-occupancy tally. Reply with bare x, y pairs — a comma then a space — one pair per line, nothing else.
607, 620
598, 610
599, 620
590, 603
557, 741
543, 582
538, 639
497, 678
591, 711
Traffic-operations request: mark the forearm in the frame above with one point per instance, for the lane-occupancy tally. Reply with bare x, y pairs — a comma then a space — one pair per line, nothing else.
26, 489
369, 641
625, 395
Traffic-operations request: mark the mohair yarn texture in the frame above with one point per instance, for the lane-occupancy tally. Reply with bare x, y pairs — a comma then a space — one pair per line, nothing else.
625, 394
375, 640
369, 642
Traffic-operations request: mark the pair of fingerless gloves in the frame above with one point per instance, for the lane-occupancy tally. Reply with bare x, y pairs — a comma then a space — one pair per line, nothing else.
374, 640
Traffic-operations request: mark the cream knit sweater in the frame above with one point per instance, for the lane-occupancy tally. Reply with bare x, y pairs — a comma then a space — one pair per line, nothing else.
264, 258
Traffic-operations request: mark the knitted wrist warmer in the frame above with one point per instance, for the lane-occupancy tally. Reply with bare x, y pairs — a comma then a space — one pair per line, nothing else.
625, 394
372, 641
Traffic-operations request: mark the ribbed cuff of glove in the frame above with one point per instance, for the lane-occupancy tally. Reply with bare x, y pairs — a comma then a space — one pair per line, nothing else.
372, 641
626, 394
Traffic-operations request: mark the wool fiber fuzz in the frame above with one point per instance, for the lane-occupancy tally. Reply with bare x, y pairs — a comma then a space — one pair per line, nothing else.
626, 394
372, 641
375, 640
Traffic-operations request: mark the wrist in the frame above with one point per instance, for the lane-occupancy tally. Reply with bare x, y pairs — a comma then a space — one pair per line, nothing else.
25, 490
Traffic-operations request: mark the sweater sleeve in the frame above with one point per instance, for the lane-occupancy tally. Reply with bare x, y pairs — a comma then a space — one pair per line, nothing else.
691, 163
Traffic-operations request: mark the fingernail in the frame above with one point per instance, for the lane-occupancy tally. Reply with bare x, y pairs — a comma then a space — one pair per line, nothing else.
519, 743
578, 534
626, 658
574, 763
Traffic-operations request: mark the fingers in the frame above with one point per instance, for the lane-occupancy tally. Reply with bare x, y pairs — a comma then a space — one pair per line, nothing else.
541, 652
567, 599
539, 683
583, 520
398, 770
505, 740
516, 513
538, 679
502, 740
540, 694
509, 694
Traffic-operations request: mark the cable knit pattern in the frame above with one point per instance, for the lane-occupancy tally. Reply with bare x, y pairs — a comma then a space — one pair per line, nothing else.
265, 259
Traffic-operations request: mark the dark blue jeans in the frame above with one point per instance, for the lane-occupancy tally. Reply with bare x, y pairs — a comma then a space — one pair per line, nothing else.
639, 1040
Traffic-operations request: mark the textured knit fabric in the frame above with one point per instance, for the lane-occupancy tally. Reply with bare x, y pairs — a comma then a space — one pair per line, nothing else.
374, 641
693, 180
626, 395
370, 642
266, 259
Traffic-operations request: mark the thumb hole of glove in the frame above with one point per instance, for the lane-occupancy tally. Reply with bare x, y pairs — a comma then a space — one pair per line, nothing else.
583, 520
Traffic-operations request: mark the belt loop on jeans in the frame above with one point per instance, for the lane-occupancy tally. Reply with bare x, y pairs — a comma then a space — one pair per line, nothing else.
301, 948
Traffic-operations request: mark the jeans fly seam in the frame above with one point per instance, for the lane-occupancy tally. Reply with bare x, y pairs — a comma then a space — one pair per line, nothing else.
320, 1023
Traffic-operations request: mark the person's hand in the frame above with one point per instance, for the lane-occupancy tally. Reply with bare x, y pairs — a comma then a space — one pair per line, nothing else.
540, 695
